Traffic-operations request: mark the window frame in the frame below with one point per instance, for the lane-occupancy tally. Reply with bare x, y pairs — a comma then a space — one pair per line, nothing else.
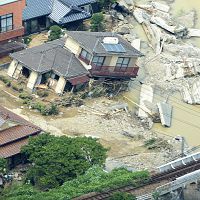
123, 64
6, 18
98, 63
87, 56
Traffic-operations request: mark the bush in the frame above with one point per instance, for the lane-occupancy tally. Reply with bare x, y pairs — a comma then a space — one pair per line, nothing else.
25, 96
97, 22
55, 32
51, 109
42, 93
105, 4
6, 80
27, 40
17, 87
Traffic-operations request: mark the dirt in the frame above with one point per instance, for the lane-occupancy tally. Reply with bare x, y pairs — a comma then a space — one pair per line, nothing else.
38, 39
91, 120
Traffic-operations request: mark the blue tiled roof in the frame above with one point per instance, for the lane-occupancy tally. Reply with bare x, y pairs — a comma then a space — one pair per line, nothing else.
37, 8
61, 11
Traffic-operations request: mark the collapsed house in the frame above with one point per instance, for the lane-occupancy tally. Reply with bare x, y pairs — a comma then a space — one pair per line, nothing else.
14, 134
69, 62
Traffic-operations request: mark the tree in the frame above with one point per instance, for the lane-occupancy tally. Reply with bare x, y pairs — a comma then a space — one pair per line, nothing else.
122, 196
97, 22
59, 159
55, 32
3, 165
105, 4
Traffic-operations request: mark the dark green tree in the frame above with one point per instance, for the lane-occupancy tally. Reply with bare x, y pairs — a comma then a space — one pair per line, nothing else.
122, 196
97, 22
3, 165
105, 4
59, 159
55, 32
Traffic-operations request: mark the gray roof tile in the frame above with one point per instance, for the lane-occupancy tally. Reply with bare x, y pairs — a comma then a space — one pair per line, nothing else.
92, 42
51, 56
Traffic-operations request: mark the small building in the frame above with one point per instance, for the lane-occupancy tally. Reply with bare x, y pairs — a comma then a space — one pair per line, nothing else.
14, 134
69, 62
38, 15
11, 26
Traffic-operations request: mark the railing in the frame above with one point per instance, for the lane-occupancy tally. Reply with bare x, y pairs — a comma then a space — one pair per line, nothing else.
114, 71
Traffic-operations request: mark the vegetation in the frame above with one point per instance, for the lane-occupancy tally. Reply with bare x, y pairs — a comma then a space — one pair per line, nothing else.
97, 22
95, 179
157, 143
59, 159
55, 32
42, 93
3, 165
27, 40
25, 95
6, 80
105, 4
122, 196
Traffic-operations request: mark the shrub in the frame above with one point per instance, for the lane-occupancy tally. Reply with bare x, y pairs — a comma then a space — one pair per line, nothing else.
55, 32
105, 4
6, 80
42, 93
25, 96
51, 109
17, 87
27, 40
97, 22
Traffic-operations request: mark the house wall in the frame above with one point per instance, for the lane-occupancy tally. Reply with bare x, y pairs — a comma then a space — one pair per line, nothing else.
72, 45
32, 80
60, 85
12, 67
16, 8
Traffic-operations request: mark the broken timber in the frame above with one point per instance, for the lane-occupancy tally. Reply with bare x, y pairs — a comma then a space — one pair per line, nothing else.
165, 111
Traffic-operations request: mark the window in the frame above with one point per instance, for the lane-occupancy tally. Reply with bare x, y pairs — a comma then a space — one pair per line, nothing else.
85, 55
122, 62
6, 22
98, 60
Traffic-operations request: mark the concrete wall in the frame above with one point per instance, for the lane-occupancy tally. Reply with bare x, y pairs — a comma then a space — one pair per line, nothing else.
32, 80
60, 85
12, 67
73, 46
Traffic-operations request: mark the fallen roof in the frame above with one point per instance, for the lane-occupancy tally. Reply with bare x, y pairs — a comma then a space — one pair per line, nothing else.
51, 56
13, 138
93, 42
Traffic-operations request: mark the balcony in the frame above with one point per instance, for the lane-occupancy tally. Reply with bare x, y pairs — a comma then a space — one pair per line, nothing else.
15, 32
114, 72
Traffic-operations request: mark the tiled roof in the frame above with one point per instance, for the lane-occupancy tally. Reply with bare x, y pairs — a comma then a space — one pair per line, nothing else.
16, 132
58, 10
13, 138
12, 148
37, 8
92, 41
51, 56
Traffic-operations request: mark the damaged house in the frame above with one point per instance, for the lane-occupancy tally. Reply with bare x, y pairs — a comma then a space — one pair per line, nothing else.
14, 134
68, 63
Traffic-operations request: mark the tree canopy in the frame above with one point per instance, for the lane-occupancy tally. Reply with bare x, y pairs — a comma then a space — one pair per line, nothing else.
3, 165
97, 22
104, 4
94, 180
55, 32
59, 159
